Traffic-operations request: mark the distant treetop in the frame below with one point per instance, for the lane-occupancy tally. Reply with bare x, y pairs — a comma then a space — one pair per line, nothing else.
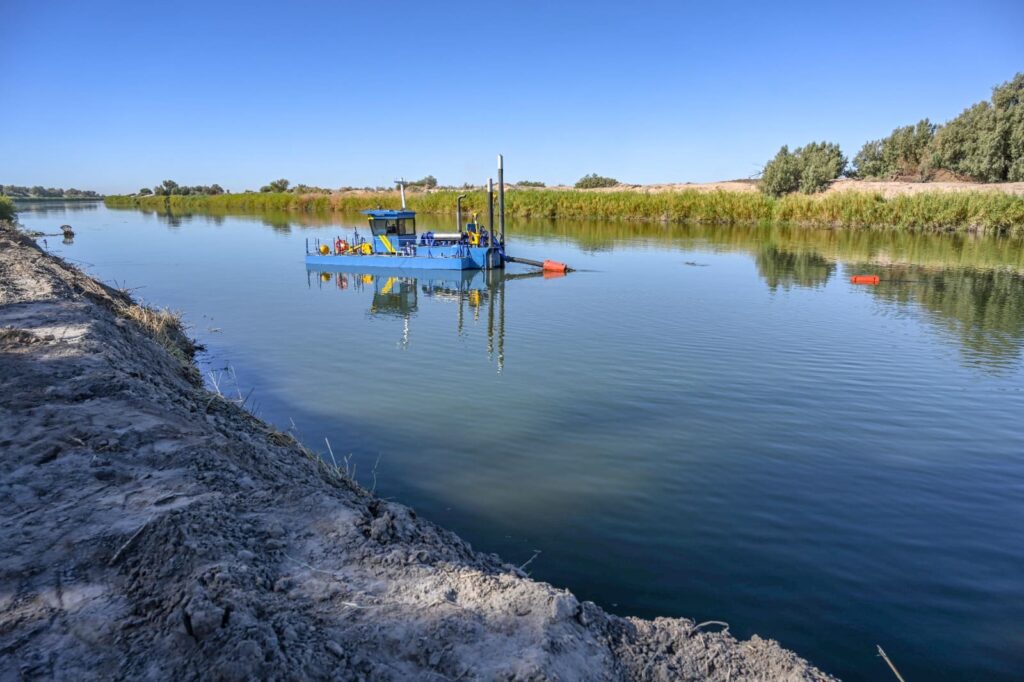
429, 182
593, 181
276, 186
40, 192
171, 188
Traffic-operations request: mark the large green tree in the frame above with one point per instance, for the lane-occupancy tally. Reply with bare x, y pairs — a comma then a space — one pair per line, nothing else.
906, 153
807, 169
986, 141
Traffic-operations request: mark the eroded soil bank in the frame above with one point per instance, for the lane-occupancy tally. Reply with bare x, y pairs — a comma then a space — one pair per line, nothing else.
152, 529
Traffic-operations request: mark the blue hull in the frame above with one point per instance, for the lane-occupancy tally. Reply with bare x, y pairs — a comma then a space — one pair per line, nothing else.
426, 258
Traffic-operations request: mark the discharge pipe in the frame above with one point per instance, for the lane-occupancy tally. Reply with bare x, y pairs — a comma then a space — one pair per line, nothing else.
546, 266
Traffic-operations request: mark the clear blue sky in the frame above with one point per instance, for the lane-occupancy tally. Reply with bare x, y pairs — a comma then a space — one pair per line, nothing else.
115, 95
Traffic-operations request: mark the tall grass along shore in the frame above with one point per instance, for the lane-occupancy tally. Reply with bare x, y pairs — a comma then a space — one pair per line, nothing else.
975, 211
7, 211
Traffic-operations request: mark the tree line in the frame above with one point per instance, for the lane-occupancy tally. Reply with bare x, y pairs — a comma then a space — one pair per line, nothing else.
171, 188
40, 192
283, 185
985, 143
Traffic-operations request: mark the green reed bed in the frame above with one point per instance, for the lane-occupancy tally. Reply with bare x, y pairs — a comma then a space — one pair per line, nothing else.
7, 211
982, 211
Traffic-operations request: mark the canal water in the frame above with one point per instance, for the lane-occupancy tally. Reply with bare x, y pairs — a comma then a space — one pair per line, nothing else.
708, 422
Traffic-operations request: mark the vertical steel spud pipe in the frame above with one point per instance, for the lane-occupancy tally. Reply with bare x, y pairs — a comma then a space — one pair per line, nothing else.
490, 209
501, 197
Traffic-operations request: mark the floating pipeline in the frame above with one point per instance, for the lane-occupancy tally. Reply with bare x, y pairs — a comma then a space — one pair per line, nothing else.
547, 265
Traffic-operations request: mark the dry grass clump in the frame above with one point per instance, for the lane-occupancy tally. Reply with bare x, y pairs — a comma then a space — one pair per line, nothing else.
164, 325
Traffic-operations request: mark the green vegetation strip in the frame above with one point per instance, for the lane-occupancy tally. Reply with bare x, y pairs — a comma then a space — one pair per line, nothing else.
6, 208
981, 211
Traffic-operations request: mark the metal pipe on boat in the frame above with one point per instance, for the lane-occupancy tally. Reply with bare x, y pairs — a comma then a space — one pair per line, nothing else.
490, 208
458, 212
401, 190
501, 197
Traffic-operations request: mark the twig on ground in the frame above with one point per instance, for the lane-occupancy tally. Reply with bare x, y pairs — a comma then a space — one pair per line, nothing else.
891, 666
374, 488
536, 553
120, 550
725, 626
331, 451
215, 380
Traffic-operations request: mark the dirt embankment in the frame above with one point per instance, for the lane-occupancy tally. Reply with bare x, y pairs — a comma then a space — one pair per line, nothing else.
887, 188
152, 529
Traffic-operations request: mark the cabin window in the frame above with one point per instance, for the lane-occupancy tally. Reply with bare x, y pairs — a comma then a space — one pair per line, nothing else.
407, 226
383, 226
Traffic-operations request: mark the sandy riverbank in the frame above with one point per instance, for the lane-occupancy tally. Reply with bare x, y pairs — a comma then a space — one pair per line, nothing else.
153, 529
888, 188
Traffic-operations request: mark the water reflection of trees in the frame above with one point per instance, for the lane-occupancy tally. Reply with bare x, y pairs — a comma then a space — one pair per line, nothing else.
970, 285
982, 309
56, 206
787, 269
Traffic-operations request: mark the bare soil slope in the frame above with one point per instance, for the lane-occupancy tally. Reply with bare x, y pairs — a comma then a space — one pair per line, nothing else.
152, 529
887, 188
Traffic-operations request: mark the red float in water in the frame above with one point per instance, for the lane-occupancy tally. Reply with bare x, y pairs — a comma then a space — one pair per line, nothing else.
554, 266
864, 279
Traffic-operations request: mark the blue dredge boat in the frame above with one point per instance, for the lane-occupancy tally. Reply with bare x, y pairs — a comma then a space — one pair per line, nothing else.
394, 242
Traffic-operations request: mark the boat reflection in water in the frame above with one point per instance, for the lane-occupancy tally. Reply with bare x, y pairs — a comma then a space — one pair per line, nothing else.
477, 294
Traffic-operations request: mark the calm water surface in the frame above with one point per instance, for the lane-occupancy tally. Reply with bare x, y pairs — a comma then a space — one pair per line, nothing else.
704, 422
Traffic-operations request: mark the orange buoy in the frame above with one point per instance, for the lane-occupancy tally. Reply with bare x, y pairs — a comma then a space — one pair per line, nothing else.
554, 266
864, 279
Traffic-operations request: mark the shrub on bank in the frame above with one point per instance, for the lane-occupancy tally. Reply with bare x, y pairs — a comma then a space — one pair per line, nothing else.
807, 169
7, 211
904, 154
